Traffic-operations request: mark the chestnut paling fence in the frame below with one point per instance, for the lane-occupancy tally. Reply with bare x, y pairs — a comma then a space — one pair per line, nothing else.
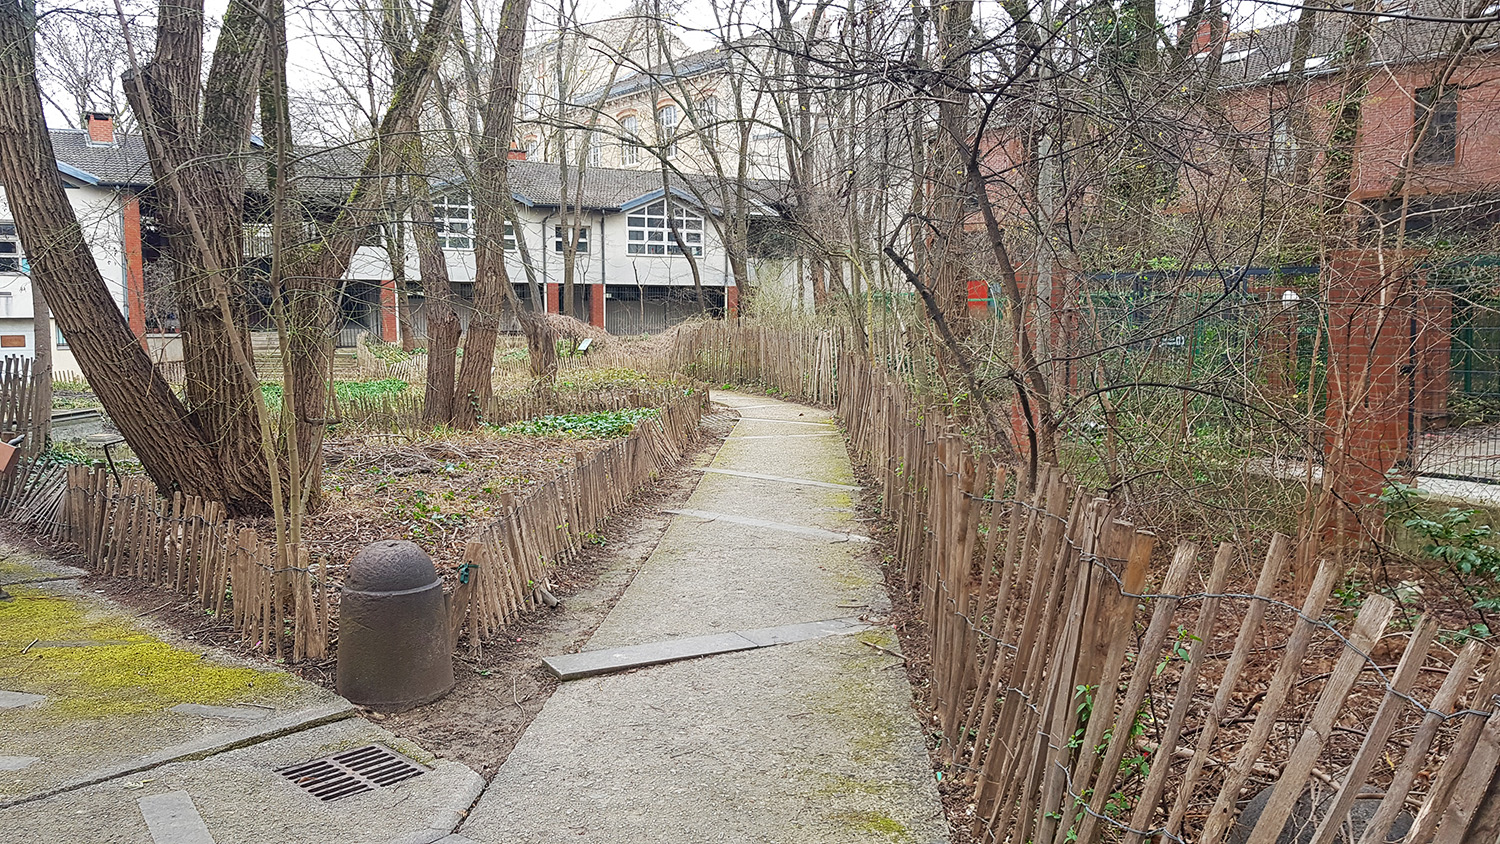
282, 601
1084, 695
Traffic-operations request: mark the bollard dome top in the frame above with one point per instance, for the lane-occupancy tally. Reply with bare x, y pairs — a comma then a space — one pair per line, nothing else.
390, 565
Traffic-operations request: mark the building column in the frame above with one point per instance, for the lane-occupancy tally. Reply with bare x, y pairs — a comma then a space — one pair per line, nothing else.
388, 327
596, 305
554, 298
731, 301
135, 270
1375, 302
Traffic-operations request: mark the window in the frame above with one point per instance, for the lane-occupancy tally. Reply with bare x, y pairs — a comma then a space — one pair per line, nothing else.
666, 118
453, 217
508, 243
630, 151
560, 235
596, 152
708, 117
5, 300
1439, 143
10, 249
1283, 143
533, 149
649, 230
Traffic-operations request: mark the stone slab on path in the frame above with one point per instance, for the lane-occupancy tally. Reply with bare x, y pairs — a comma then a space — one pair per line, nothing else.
610, 660
808, 742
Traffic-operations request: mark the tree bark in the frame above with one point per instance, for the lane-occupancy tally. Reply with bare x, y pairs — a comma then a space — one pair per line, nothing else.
493, 293
160, 430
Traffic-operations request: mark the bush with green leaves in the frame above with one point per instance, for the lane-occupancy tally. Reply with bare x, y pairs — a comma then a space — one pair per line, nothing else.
1456, 536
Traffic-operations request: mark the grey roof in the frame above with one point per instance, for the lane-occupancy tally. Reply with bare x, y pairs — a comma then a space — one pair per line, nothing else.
330, 171
1404, 31
685, 67
121, 164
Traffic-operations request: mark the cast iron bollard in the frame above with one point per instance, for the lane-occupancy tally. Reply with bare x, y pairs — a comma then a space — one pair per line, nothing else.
394, 651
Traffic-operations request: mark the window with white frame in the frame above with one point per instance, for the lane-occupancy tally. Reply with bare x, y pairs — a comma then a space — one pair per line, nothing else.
453, 218
508, 242
560, 235
630, 150
649, 231
5, 301
10, 248
1283, 143
708, 117
666, 118
533, 149
596, 152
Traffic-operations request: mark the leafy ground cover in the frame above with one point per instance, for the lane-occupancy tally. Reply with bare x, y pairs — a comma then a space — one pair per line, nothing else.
605, 424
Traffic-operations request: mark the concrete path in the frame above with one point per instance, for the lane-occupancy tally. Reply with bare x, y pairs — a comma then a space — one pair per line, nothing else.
114, 731
811, 741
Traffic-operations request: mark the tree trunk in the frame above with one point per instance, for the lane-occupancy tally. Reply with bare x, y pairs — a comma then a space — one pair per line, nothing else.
492, 288
160, 430
443, 325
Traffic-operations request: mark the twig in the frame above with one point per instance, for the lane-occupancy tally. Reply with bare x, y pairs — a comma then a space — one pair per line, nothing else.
883, 650
155, 609
28, 647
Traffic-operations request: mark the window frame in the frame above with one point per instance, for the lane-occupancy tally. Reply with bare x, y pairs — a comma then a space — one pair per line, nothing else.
560, 232
443, 219
1439, 144
639, 221
12, 259
630, 149
668, 127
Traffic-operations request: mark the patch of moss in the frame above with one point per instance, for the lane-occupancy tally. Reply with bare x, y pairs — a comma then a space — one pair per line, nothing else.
878, 822
12, 569
133, 673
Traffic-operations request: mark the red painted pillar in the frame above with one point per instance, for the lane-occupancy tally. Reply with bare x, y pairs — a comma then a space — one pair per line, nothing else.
732, 301
1373, 301
388, 310
135, 269
596, 305
554, 298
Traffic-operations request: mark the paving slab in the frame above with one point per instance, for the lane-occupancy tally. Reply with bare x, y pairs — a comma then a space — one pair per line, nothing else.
609, 660
240, 798
99, 699
804, 740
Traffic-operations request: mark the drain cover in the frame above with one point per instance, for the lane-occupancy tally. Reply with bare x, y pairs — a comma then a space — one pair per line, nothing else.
352, 772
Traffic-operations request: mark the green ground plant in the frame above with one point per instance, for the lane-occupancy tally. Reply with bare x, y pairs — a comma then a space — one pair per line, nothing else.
605, 424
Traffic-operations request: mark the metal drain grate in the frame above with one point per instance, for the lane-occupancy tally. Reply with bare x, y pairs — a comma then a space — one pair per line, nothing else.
352, 772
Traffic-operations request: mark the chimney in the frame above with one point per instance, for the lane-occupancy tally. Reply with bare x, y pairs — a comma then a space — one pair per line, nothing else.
517, 154
101, 126
1203, 38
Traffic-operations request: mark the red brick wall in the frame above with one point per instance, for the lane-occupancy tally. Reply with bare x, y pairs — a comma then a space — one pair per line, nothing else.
554, 298
596, 305
1374, 302
732, 301
135, 269
1387, 123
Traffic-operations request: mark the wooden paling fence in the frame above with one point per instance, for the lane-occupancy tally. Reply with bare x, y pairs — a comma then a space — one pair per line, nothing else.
507, 562
1084, 695
280, 601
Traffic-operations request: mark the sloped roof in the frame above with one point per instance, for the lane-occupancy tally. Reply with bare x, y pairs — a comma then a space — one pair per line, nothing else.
331, 171
1404, 31
121, 164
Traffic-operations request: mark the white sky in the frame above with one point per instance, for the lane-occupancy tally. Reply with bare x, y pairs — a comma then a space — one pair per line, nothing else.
314, 32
